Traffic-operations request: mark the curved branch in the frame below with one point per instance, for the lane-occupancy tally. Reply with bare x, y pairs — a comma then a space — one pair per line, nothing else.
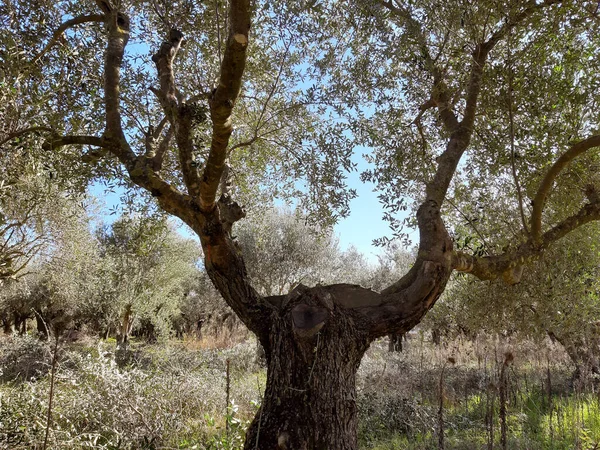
509, 265
64, 27
546, 184
461, 134
19, 133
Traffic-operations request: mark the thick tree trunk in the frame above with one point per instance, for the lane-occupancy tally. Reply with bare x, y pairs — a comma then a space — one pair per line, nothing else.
314, 338
310, 398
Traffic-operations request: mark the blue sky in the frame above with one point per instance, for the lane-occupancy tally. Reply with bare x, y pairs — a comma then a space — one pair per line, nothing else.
359, 229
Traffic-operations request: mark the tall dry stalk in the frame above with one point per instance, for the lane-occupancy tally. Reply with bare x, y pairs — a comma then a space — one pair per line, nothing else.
227, 391
503, 391
51, 393
441, 405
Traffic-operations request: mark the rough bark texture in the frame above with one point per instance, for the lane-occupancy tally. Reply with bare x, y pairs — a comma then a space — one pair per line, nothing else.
310, 400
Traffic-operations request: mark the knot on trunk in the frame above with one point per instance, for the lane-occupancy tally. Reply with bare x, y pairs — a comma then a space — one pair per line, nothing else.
310, 308
512, 275
229, 212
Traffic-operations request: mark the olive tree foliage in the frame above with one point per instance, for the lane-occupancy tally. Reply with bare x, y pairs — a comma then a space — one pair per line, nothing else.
558, 297
145, 268
519, 74
468, 109
282, 251
62, 275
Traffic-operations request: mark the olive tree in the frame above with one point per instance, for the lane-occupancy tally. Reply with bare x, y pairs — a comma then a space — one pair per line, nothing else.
282, 251
557, 297
145, 266
465, 107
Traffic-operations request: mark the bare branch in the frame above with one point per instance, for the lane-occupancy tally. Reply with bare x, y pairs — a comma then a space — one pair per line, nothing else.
223, 99
167, 94
181, 115
64, 27
118, 35
546, 184
20, 133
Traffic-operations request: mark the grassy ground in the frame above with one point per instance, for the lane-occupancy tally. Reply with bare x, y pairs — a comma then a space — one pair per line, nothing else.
174, 395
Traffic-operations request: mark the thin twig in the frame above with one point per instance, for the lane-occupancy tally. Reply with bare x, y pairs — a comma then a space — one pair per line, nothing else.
512, 135
469, 221
51, 393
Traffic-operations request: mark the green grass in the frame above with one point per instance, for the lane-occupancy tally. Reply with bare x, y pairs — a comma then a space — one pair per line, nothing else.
173, 396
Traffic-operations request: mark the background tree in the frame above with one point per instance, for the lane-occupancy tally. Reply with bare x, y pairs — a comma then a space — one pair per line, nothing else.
456, 73
145, 269
282, 251
53, 276
558, 297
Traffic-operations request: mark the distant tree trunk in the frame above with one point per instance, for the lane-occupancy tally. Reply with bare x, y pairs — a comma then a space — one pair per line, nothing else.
125, 327
41, 327
20, 323
395, 342
583, 350
7, 326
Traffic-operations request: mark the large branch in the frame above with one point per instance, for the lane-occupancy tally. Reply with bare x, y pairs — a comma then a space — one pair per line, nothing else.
64, 27
461, 134
509, 265
118, 35
223, 100
546, 184
180, 114
403, 304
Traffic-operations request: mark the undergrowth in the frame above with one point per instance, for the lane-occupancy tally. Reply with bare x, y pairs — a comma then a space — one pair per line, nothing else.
175, 397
